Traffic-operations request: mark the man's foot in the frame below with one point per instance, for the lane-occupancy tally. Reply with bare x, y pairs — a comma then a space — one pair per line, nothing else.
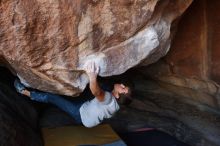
19, 86
39, 96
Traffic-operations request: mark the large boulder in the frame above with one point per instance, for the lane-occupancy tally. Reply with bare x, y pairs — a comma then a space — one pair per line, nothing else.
46, 43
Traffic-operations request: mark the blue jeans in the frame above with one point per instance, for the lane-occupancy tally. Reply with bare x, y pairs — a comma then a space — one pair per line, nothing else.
70, 107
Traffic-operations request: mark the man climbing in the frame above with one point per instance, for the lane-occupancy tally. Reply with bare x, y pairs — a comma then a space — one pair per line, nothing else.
91, 112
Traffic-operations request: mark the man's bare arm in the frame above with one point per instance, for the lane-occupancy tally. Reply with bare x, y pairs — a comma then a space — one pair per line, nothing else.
92, 71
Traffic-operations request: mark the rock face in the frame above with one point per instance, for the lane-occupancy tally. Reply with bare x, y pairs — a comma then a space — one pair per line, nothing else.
47, 43
193, 60
191, 72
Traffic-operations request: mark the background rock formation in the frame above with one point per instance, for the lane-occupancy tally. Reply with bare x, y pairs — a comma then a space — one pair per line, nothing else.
193, 60
191, 71
46, 43
18, 117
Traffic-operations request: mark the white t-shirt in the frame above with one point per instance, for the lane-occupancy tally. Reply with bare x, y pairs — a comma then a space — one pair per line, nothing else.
93, 112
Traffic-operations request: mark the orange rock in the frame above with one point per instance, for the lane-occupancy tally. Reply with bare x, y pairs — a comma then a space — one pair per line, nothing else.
46, 43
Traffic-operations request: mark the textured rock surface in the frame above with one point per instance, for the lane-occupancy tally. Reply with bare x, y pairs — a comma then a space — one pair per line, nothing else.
191, 71
47, 42
193, 60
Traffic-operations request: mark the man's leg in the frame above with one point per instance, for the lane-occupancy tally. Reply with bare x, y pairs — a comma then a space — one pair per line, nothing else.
72, 108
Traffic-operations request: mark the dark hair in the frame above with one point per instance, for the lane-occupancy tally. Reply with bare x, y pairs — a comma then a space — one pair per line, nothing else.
126, 99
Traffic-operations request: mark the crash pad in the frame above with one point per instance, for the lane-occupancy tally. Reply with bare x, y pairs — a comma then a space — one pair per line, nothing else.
79, 135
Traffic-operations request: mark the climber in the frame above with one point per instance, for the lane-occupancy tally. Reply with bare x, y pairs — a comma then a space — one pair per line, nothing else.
91, 112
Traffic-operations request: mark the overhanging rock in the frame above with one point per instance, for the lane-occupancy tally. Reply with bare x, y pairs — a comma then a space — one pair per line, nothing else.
47, 43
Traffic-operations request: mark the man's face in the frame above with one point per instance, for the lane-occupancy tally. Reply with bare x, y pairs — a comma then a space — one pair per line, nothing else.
121, 89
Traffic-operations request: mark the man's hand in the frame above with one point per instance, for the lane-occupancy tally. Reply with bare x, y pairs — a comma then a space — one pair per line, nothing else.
92, 69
